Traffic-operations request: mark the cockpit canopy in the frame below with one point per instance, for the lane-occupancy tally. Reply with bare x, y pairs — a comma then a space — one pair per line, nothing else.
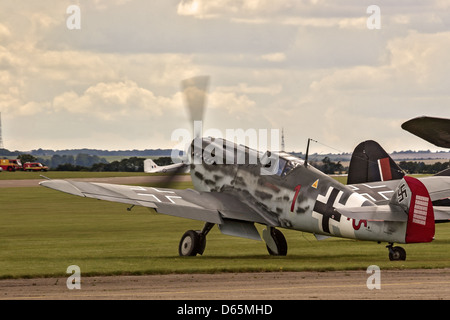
285, 162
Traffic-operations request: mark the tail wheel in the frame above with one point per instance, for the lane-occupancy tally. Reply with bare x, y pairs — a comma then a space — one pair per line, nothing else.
396, 253
280, 242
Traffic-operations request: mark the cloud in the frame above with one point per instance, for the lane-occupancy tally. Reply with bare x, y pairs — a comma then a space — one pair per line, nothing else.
274, 57
108, 101
310, 66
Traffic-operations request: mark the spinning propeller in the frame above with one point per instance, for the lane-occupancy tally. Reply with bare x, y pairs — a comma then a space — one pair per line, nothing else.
195, 93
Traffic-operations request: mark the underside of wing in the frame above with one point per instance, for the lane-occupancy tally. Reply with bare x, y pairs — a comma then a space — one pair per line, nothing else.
433, 130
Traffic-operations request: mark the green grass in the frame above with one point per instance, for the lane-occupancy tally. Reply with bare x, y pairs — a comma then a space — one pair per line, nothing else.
22, 175
43, 231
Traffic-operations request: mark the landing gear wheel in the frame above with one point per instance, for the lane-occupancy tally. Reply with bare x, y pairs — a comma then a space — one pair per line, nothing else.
190, 244
396, 253
280, 242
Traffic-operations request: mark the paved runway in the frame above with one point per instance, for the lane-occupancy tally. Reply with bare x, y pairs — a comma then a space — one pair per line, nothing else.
394, 284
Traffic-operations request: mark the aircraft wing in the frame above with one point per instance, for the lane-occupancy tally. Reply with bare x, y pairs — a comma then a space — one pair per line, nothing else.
433, 130
223, 209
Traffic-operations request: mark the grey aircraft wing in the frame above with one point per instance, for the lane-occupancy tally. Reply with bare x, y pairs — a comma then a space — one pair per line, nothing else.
232, 215
433, 130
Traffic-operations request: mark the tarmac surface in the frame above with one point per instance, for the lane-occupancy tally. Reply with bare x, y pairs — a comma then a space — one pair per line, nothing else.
430, 284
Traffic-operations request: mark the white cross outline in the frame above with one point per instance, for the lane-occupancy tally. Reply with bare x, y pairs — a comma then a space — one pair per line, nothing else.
368, 196
174, 197
149, 195
166, 191
154, 196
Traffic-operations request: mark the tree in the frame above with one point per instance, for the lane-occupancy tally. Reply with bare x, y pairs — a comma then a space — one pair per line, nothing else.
330, 167
27, 158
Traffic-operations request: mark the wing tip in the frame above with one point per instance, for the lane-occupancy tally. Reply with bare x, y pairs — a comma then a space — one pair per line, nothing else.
63, 186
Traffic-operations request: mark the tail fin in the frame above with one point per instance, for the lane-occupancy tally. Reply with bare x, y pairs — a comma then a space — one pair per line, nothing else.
150, 166
413, 197
371, 163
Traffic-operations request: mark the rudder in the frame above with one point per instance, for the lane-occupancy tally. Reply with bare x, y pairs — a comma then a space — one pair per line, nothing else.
413, 197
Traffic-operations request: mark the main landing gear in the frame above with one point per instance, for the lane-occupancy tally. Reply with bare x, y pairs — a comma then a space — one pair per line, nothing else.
193, 242
396, 253
275, 242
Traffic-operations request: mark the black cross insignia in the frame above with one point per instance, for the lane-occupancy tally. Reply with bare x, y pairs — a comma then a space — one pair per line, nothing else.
327, 210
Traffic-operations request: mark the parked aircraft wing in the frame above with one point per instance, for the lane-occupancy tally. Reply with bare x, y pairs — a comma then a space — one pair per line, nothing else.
210, 207
433, 130
441, 214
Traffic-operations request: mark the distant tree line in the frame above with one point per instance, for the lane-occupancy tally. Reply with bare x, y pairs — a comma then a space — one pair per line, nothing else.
97, 152
330, 167
86, 162
421, 167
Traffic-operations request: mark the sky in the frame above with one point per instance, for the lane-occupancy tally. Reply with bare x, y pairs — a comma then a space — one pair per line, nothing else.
108, 76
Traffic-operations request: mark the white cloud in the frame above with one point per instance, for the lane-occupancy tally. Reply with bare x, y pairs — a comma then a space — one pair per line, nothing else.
311, 67
274, 57
109, 101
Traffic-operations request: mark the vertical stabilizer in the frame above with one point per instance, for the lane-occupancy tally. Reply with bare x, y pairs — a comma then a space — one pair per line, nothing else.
370, 163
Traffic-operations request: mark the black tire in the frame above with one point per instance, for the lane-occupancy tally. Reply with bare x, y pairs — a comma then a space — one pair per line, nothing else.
397, 254
280, 242
190, 244
202, 243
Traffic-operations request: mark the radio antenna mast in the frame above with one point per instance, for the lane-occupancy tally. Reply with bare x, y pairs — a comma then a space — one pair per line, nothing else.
307, 151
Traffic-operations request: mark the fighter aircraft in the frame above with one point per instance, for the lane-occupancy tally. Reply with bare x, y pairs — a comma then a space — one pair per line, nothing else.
237, 187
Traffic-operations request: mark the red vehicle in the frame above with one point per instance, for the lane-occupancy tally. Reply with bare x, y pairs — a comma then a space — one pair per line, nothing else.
34, 166
10, 164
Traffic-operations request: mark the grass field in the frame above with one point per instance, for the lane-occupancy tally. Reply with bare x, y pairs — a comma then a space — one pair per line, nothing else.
22, 175
43, 231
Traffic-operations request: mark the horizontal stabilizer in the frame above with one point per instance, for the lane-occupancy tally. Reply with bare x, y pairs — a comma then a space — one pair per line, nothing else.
377, 213
411, 204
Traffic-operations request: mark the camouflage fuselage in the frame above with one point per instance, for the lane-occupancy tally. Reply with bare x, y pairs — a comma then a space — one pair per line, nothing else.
292, 196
